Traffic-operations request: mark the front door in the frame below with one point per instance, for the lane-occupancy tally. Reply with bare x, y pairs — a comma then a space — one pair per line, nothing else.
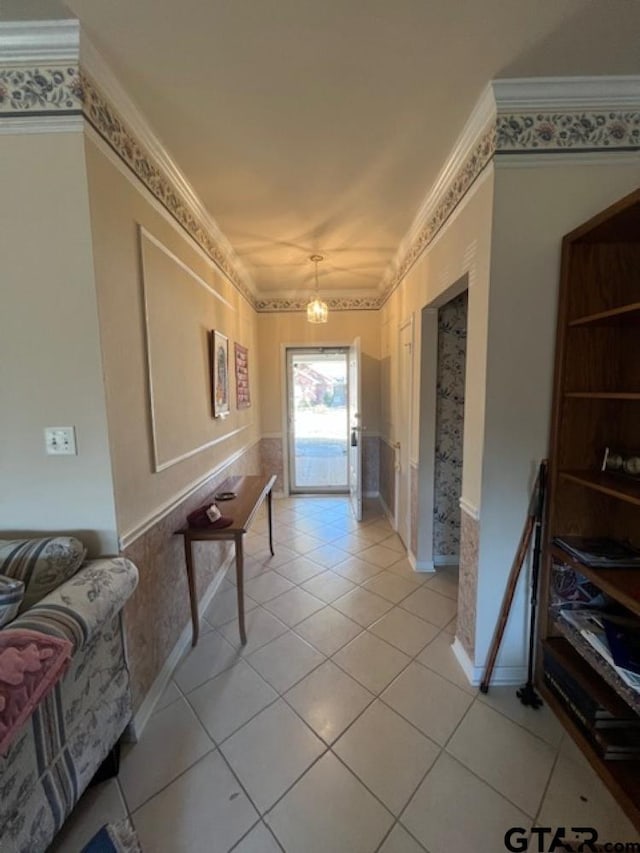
317, 380
355, 429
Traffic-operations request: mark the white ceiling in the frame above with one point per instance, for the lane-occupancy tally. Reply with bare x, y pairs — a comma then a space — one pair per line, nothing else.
319, 125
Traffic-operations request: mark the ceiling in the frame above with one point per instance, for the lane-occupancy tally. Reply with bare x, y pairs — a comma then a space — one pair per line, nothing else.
308, 126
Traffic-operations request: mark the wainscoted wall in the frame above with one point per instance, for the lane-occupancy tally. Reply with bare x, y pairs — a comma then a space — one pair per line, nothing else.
371, 465
271, 460
387, 475
468, 586
413, 484
158, 611
452, 350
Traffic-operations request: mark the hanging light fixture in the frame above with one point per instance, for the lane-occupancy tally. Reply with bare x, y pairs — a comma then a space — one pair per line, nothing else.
317, 310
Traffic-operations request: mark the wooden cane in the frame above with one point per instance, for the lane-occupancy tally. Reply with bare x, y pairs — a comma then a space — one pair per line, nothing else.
512, 583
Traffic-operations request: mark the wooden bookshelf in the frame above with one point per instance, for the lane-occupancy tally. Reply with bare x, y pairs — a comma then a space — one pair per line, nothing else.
614, 485
623, 585
596, 382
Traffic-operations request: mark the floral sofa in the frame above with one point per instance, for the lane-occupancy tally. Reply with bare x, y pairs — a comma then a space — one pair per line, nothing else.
56, 752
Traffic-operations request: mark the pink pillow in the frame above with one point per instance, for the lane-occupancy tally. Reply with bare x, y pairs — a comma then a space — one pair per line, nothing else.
30, 665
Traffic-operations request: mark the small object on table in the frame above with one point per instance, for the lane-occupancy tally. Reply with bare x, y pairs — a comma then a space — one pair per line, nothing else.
225, 496
249, 492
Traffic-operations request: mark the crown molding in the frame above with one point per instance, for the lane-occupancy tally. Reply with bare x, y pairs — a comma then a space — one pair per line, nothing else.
39, 41
470, 153
566, 93
482, 115
112, 91
65, 123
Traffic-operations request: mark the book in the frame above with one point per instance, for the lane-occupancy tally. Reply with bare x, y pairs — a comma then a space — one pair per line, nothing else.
623, 638
599, 552
591, 627
573, 680
617, 744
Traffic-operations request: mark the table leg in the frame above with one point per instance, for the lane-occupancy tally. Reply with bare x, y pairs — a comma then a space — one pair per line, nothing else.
193, 594
270, 516
240, 588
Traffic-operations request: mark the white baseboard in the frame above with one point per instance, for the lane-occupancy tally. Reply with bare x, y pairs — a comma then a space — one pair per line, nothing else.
419, 565
387, 511
502, 675
135, 728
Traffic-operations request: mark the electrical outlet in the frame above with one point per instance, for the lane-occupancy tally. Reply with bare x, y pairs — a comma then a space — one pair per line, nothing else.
60, 441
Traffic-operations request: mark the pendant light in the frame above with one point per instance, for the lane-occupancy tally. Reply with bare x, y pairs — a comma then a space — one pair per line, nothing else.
317, 310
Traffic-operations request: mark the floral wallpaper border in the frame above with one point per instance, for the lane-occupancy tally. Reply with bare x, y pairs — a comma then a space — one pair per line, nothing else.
559, 132
335, 303
55, 89
106, 120
460, 184
42, 90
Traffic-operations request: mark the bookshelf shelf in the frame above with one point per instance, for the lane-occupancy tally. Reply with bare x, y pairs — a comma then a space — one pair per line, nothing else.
602, 395
600, 666
598, 363
624, 489
630, 312
621, 584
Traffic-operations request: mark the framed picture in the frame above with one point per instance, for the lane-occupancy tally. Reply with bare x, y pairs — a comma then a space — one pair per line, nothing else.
220, 374
243, 396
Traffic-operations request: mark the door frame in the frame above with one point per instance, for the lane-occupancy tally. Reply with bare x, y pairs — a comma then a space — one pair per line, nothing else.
407, 431
284, 407
427, 367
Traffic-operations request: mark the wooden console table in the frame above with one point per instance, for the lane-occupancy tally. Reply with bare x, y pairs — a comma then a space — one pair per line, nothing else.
250, 493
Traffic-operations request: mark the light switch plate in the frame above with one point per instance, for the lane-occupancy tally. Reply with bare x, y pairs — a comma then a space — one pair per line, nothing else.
60, 441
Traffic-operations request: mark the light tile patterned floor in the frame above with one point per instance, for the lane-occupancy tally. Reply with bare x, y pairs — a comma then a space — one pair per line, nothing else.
346, 724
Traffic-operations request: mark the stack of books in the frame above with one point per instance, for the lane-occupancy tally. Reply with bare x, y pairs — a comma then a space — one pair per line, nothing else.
608, 722
599, 552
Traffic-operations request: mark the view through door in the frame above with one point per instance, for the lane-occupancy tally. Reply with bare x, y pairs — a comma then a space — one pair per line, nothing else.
318, 420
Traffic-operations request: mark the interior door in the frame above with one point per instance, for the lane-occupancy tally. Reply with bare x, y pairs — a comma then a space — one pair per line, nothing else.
355, 430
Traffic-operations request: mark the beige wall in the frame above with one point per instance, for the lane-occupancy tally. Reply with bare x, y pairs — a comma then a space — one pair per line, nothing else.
276, 330
118, 206
533, 208
50, 364
462, 249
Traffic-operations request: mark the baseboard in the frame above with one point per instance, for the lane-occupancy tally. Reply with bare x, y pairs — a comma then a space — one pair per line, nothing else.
419, 565
140, 719
446, 560
387, 511
502, 675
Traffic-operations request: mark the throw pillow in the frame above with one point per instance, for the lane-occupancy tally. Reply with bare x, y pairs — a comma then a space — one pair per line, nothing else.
41, 564
30, 665
11, 595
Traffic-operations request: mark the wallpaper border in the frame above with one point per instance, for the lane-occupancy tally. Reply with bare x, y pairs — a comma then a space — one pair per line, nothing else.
42, 90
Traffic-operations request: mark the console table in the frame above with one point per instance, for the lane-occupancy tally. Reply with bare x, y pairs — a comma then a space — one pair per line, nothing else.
250, 493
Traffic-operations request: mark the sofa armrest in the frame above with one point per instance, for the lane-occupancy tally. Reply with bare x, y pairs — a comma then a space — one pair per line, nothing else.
80, 606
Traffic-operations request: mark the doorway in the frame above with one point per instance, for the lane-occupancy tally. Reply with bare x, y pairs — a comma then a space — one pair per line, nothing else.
405, 394
318, 419
449, 428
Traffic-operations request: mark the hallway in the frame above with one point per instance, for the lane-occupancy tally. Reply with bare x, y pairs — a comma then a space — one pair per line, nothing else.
345, 725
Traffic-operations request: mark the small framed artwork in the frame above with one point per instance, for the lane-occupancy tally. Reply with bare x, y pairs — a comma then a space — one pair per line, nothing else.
243, 396
220, 374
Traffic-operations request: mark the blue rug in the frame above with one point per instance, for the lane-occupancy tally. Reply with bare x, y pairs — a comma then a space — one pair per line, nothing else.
114, 838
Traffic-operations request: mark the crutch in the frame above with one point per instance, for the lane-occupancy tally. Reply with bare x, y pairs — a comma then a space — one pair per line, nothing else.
535, 507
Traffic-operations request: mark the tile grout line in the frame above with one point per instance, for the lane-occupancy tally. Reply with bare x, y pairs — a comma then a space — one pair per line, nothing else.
328, 747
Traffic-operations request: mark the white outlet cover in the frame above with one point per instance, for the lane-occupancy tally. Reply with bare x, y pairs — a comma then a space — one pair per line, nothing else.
60, 441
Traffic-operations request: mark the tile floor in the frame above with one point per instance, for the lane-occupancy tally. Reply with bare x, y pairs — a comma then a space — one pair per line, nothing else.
345, 725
